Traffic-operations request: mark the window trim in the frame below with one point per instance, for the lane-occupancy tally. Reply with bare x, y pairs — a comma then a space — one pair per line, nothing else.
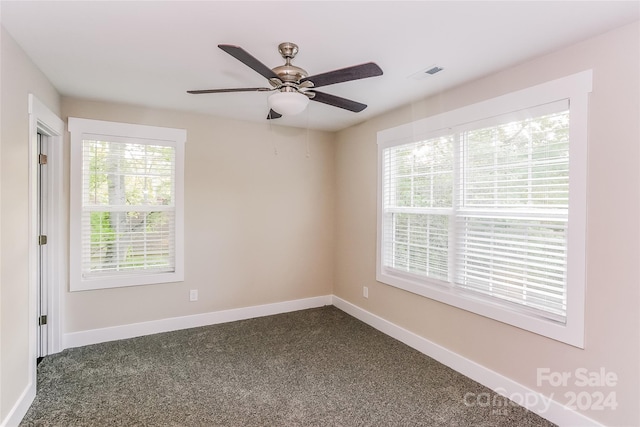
78, 128
576, 89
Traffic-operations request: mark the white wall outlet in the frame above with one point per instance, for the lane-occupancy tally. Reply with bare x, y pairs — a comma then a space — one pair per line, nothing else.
193, 295
365, 292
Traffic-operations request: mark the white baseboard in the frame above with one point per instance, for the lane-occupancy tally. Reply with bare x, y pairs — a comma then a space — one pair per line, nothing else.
19, 410
95, 336
532, 400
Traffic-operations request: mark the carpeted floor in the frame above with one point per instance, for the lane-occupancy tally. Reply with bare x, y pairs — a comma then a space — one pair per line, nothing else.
318, 367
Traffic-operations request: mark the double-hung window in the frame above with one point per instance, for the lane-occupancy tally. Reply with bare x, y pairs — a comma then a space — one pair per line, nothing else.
126, 204
484, 207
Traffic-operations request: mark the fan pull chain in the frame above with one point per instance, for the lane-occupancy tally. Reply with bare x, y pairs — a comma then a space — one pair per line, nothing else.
273, 142
308, 155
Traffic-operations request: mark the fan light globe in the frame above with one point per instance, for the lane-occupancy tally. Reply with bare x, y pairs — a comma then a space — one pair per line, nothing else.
288, 103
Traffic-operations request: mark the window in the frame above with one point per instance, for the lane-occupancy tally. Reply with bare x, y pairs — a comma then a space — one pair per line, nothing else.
126, 204
484, 208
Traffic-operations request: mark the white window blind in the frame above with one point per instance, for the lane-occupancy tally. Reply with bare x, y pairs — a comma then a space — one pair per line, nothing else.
128, 208
418, 197
484, 207
511, 240
127, 204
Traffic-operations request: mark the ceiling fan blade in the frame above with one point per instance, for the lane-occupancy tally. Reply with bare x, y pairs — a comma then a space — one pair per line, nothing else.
273, 115
245, 57
246, 89
362, 71
336, 101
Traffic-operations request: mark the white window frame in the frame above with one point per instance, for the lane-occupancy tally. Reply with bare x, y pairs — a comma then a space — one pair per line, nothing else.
78, 128
576, 89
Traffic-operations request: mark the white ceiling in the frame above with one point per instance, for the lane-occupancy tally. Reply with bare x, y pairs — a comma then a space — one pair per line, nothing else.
150, 52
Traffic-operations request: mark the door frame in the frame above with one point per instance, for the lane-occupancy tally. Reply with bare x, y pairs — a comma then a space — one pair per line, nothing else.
44, 121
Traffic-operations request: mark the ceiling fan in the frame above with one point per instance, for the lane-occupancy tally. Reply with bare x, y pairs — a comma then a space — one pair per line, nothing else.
292, 86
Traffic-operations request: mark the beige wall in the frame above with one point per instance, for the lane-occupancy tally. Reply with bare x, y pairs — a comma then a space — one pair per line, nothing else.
258, 226
18, 77
612, 321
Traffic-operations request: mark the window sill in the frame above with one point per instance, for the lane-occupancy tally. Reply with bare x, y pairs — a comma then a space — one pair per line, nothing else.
569, 333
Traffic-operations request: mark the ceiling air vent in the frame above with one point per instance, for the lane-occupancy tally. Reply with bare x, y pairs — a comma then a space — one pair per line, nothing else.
426, 72
434, 70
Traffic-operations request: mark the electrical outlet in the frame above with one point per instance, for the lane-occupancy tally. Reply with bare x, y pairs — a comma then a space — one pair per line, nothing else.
365, 292
193, 295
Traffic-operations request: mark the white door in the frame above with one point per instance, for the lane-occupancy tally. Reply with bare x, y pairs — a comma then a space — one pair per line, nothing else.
42, 210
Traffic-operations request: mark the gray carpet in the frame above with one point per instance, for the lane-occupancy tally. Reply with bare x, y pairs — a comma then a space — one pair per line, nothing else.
318, 367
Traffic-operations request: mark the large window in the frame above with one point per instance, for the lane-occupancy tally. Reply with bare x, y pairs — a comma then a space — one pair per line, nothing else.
484, 208
126, 204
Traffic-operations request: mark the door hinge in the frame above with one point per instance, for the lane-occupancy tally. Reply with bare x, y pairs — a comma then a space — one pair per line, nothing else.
42, 159
42, 320
42, 240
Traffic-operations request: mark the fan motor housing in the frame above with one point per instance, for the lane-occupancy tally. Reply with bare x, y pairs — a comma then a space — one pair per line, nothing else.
290, 73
